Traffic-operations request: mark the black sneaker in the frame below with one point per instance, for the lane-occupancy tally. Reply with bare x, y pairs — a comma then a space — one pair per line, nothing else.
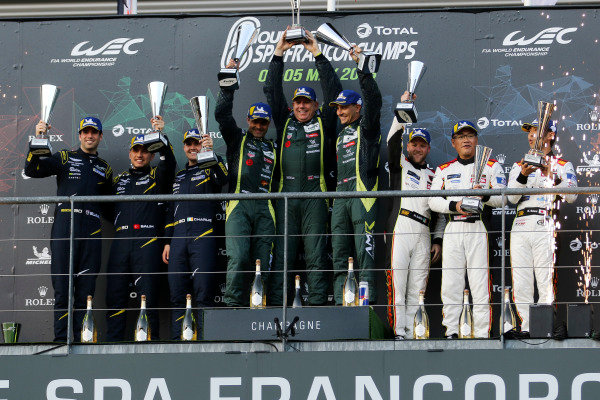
453, 336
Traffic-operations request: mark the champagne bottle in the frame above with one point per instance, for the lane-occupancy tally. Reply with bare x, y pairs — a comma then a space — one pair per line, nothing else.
89, 334
510, 321
465, 327
350, 292
421, 322
189, 329
297, 297
258, 298
142, 328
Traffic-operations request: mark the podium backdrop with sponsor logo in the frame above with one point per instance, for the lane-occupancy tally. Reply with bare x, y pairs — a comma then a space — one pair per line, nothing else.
491, 67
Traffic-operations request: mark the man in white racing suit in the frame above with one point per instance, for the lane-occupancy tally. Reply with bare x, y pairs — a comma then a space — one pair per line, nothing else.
412, 247
532, 236
465, 236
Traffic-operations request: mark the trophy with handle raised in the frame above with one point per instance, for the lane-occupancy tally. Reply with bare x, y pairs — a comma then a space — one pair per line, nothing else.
473, 205
154, 141
406, 111
40, 145
245, 35
199, 104
296, 33
368, 62
535, 156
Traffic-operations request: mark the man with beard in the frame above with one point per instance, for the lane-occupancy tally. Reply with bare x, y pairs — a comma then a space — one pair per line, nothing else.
249, 224
80, 172
412, 246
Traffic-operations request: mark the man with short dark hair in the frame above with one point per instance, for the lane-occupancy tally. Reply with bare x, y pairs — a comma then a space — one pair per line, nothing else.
250, 224
191, 249
357, 147
465, 236
305, 140
532, 235
135, 253
79, 172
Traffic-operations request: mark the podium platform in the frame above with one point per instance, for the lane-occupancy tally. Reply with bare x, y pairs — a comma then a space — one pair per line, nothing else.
314, 324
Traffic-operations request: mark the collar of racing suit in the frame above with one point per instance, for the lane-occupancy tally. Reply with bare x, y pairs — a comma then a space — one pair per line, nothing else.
466, 161
140, 171
84, 154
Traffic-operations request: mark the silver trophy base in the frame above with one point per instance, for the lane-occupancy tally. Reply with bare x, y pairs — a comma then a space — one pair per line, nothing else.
155, 141
535, 160
368, 62
472, 205
229, 78
40, 147
406, 113
296, 35
206, 159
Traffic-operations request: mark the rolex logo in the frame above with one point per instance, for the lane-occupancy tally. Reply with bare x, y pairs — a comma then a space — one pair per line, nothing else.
593, 198
44, 208
499, 241
594, 282
501, 158
42, 290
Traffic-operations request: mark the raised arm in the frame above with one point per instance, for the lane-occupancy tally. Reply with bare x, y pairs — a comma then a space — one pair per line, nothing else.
372, 101
232, 134
273, 88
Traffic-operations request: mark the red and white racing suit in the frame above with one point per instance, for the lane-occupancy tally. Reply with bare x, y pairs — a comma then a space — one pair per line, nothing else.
532, 235
465, 243
411, 246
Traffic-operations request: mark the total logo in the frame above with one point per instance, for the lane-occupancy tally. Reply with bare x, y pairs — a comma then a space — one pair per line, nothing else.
41, 300
39, 257
119, 130
484, 122
43, 218
365, 30
528, 44
263, 47
102, 55
577, 244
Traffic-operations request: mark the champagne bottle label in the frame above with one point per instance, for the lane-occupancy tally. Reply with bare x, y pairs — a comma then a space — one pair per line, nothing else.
256, 299
465, 329
87, 335
507, 326
188, 333
349, 297
141, 336
420, 330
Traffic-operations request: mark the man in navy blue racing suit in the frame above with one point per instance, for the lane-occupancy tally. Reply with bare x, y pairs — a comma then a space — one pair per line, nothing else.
135, 253
78, 172
192, 251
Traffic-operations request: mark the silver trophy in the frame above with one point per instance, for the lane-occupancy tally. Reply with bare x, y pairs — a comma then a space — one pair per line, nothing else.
406, 111
154, 141
296, 33
245, 35
40, 146
368, 62
473, 205
199, 104
535, 156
